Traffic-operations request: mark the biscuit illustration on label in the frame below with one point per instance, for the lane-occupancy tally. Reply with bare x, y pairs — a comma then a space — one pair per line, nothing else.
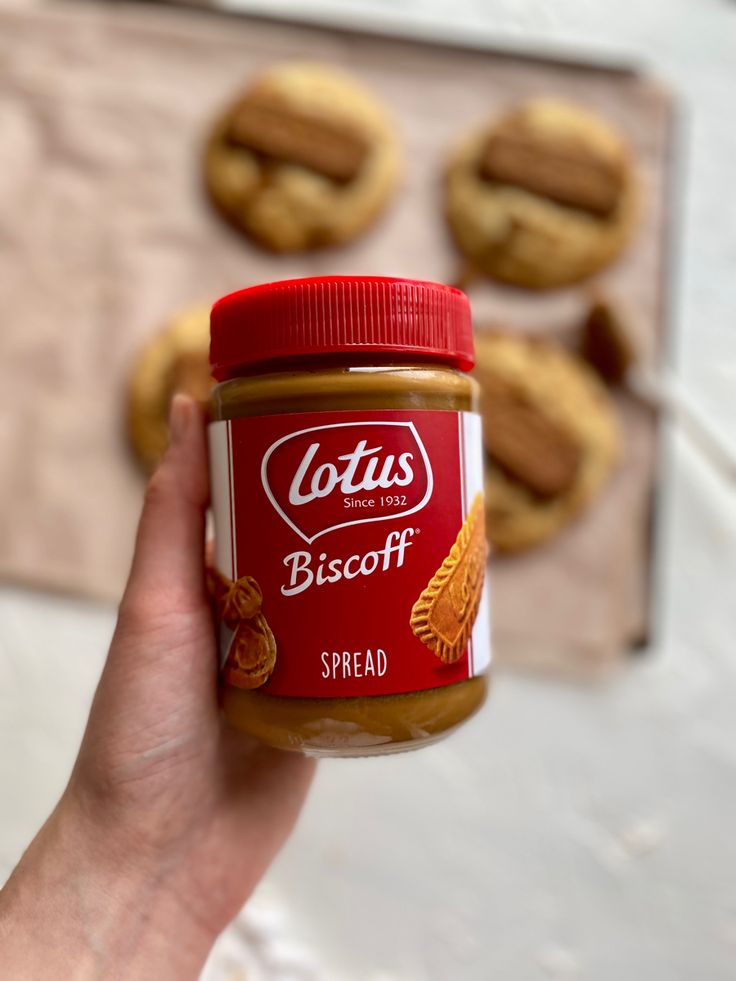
443, 616
252, 655
234, 601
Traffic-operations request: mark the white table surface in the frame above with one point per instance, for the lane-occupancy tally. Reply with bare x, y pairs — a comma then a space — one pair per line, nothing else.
569, 832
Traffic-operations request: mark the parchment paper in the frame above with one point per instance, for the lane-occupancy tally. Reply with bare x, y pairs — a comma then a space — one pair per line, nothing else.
105, 232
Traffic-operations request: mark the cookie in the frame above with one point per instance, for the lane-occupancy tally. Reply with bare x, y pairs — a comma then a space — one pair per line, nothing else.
443, 616
252, 656
544, 197
550, 433
304, 158
174, 360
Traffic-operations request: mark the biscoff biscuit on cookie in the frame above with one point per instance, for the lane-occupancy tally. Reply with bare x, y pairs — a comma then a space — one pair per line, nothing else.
551, 436
304, 158
443, 616
542, 197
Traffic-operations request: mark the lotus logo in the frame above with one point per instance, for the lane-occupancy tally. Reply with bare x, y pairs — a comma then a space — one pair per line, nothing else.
351, 473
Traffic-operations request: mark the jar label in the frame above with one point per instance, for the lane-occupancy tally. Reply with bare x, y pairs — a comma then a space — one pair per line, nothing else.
350, 551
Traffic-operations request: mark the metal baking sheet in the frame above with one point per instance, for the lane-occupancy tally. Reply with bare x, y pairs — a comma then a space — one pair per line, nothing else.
121, 98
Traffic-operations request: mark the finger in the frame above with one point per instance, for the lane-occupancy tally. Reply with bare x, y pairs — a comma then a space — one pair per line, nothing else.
168, 566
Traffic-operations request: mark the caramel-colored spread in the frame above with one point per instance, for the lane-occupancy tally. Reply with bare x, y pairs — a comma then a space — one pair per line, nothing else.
351, 726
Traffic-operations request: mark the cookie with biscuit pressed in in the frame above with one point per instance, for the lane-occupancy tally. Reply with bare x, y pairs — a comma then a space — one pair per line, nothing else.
176, 359
543, 197
550, 433
304, 158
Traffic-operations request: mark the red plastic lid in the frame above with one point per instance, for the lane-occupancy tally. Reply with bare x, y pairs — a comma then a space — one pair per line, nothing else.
333, 315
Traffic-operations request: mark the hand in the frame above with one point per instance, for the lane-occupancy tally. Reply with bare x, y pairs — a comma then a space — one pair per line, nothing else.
170, 818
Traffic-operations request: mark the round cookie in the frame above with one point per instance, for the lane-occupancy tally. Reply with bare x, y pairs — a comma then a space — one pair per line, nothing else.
174, 360
304, 158
550, 434
544, 197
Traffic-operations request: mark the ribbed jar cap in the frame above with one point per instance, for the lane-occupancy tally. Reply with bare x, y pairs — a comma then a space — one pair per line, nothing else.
329, 316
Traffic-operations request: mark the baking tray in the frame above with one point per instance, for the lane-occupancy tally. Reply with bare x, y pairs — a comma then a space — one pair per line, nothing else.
124, 128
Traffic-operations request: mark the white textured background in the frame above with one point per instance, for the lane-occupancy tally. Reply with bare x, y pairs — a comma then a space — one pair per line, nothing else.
568, 833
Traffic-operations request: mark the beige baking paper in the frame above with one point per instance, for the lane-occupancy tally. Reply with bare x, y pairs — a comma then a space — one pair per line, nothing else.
105, 231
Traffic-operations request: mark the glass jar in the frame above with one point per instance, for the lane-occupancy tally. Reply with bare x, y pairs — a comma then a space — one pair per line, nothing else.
350, 551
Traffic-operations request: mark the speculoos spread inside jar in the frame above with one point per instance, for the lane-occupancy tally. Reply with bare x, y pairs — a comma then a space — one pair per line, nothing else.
349, 523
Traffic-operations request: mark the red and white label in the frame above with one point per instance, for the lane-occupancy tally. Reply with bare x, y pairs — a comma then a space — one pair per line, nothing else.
343, 519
